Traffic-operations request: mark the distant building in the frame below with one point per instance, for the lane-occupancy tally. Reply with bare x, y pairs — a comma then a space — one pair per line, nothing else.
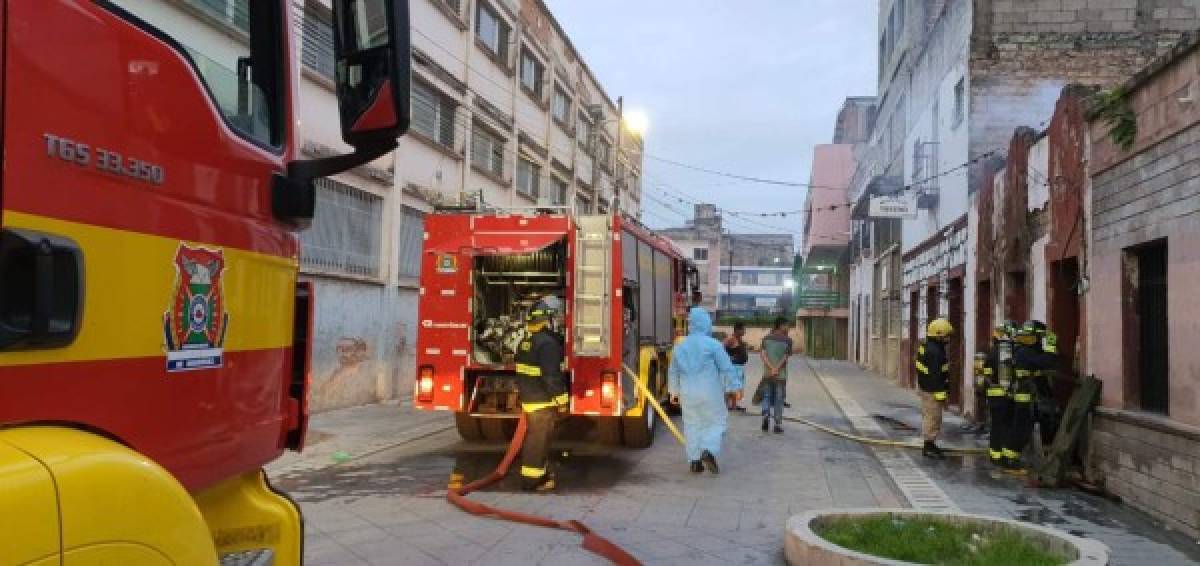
700, 240
822, 289
756, 274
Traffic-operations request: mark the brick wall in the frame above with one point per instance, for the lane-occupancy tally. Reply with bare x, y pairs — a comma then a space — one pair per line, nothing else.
1152, 463
1024, 51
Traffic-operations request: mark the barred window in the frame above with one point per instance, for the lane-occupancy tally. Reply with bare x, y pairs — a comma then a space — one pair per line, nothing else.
487, 150
433, 114
583, 206
531, 73
528, 178
584, 134
317, 53
412, 237
346, 232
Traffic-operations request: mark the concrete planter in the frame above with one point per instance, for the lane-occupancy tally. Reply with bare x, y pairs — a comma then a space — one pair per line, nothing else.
803, 546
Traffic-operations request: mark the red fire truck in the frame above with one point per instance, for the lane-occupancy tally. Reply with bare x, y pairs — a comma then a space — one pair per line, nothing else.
626, 293
154, 341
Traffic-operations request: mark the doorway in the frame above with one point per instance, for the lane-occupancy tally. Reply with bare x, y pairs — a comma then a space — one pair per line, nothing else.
954, 296
1151, 304
1016, 297
1064, 321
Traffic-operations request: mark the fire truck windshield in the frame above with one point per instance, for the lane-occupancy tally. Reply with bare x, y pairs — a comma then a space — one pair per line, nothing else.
222, 49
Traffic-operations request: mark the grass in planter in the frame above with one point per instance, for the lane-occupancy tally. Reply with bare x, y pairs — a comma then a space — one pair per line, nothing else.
926, 541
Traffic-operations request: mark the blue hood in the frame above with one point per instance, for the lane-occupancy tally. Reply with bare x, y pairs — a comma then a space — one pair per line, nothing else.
699, 322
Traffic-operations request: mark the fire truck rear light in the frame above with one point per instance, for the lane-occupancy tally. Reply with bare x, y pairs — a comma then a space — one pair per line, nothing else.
608, 389
425, 384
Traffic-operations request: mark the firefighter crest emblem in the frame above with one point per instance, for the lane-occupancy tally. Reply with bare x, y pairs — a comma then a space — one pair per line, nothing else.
195, 324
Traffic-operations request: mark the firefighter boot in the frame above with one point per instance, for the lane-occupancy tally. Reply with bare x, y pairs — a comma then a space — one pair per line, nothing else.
544, 483
931, 450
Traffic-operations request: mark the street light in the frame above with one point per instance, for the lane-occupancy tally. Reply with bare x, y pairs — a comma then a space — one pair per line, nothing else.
637, 122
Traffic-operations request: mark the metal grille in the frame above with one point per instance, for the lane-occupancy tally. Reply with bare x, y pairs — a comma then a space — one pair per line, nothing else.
317, 53
487, 151
412, 237
345, 235
433, 114
233, 12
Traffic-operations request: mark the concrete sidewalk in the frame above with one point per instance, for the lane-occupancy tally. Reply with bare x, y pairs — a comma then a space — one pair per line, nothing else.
975, 486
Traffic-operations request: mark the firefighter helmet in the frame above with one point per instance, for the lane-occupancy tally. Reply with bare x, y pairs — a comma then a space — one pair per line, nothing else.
1028, 333
939, 328
545, 309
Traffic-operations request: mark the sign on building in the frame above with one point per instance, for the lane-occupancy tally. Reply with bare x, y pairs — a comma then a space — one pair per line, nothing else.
893, 207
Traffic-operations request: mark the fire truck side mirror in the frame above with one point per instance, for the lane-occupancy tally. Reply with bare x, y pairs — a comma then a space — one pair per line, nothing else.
373, 52
373, 55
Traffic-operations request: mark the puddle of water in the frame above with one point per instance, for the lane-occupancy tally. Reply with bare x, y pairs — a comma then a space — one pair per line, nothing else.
429, 474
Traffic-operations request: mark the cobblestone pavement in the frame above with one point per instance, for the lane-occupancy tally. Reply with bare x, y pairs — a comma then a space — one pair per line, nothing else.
386, 506
972, 483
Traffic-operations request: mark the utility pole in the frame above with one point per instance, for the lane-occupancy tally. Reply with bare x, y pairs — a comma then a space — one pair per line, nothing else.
729, 279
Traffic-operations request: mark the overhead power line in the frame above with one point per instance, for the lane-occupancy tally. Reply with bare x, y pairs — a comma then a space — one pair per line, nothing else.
747, 178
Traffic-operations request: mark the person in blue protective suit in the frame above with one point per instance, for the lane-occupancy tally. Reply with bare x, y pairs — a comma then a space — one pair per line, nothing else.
699, 377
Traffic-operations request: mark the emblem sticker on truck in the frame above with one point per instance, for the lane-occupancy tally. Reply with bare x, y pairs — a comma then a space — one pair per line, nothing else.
195, 324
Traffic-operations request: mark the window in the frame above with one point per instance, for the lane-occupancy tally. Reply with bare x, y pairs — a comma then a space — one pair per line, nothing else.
558, 191
560, 105
345, 235
487, 150
583, 206
251, 104
492, 31
768, 279
433, 114
584, 133
531, 73
602, 149
528, 177
960, 101
317, 53
700, 254
235, 13
412, 238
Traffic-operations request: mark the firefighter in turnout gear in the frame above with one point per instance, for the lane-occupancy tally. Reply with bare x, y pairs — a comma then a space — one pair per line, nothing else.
543, 392
997, 390
933, 378
1030, 362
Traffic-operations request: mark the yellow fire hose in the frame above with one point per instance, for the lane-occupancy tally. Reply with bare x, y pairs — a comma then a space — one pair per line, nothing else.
839, 433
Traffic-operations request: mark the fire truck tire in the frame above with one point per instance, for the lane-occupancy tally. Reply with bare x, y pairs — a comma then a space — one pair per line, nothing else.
498, 430
468, 427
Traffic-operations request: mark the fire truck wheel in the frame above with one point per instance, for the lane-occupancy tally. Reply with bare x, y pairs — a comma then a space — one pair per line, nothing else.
498, 430
639, 431
468, 427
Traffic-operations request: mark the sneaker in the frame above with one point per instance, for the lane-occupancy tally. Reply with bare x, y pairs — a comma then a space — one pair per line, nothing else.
766, 424
710, 462
697, 467
778, 429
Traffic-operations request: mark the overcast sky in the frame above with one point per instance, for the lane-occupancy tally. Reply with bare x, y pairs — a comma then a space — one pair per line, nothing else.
746, 86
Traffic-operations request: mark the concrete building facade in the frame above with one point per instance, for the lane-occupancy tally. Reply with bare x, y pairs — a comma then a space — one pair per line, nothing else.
504, 111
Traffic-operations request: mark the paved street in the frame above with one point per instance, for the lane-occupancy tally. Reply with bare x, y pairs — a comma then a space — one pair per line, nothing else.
385, 504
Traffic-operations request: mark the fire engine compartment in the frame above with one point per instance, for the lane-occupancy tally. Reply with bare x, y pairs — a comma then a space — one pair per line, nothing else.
505, 287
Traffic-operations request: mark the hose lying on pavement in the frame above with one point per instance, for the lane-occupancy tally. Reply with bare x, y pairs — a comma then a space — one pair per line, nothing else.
879, 441
591, 541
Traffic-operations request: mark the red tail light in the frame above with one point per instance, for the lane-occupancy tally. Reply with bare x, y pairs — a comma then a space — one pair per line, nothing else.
425, 385
608, 389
